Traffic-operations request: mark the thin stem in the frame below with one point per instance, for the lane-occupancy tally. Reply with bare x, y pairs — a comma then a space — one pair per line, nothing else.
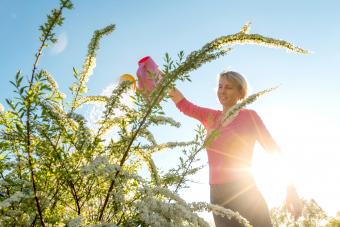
28, 116
122, 161
68, 180
187, 169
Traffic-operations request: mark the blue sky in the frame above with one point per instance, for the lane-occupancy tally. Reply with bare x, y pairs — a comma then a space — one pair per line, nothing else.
302, 114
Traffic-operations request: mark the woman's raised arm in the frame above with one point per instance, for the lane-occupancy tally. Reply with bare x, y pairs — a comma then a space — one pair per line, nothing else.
205, 115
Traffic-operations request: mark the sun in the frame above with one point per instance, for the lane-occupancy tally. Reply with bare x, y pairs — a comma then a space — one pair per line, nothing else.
272, 176
310, 160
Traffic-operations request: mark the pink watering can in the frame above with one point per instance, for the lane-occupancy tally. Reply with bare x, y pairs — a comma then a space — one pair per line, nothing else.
148, 76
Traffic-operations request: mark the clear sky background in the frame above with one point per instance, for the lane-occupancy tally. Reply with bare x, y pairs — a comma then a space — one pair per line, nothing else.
302, 115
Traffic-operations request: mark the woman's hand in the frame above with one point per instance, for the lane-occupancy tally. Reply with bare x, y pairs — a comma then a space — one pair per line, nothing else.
175, 95
293, 202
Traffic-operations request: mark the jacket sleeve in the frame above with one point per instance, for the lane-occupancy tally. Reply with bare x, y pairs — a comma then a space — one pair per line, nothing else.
262, 134
204, 115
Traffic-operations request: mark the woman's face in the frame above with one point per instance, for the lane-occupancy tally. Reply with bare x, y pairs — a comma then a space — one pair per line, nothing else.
228, 92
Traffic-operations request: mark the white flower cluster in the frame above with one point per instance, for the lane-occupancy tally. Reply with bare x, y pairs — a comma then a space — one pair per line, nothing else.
1, 108
168, 145
164, 120
149, 217
24, 183
53, 84
169, 194
104, 225
76, 222
155, 211
158, 213
21, 218
91, 100
59, 114
202, 206
89, 65
16, 197
74, 87
100, 166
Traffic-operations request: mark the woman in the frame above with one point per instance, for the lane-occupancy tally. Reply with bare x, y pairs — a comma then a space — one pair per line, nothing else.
229, 155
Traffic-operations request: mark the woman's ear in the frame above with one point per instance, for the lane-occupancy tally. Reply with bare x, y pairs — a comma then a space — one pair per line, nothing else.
239, 95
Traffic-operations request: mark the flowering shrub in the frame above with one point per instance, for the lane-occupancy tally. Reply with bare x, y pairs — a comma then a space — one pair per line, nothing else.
312, 215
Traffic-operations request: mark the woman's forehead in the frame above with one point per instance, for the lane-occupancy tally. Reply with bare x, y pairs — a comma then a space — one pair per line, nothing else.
226, 81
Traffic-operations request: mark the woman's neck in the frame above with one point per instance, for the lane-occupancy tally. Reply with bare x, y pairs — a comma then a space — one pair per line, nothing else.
226, 108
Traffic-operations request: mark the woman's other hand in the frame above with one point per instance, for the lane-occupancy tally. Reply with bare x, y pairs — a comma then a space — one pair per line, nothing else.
293, 202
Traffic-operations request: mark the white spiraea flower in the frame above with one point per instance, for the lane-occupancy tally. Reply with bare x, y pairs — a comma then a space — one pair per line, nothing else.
104, 225
157, 212
88, 67
221, 211
76, 222
16, 197
100, 166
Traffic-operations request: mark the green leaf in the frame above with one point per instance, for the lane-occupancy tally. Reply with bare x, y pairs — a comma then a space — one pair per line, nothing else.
18, 127
19, 81
13, 83
21, 91
75, 72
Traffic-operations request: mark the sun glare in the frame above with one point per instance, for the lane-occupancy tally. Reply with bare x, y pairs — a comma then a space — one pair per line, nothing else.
310, 161
271, 175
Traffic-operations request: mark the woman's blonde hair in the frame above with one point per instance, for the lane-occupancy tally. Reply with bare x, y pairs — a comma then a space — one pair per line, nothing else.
239, 81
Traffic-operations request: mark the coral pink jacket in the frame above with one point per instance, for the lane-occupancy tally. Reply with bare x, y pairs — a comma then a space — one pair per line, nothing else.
230, 154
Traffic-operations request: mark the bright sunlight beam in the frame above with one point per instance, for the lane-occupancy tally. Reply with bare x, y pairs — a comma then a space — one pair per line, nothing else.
311, 145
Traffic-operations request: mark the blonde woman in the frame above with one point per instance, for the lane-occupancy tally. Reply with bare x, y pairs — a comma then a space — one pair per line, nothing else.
230, 154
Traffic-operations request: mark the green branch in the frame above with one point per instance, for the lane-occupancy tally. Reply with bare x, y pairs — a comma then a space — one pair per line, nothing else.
89, 64
47, 35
